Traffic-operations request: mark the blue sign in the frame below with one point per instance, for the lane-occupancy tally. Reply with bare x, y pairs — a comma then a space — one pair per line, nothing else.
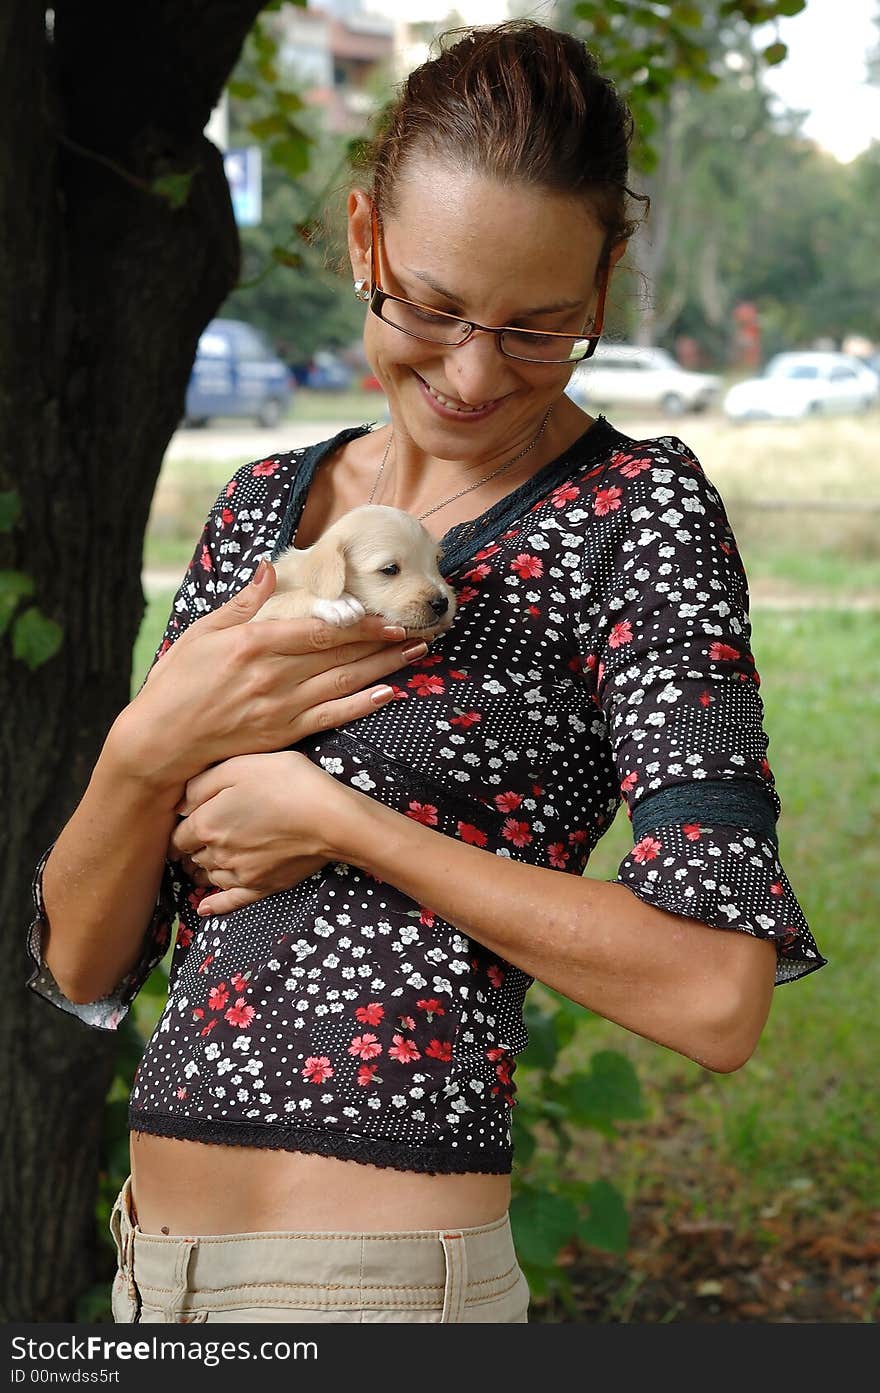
244, 174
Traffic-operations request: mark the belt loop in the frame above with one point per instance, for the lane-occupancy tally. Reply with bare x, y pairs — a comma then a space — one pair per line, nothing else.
455, 1252
185, 1250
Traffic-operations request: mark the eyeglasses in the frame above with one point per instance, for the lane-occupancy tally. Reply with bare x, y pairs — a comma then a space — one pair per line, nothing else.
434, 326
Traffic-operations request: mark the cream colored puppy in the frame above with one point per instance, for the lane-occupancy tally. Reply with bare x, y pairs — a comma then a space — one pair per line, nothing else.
373, 560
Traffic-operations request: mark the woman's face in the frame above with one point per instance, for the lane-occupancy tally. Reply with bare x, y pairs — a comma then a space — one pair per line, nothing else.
496, 254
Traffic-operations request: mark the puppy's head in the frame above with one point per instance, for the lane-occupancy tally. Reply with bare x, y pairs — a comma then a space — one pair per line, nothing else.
387, 560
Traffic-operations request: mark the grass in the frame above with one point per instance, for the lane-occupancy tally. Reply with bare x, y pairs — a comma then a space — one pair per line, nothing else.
795, 1126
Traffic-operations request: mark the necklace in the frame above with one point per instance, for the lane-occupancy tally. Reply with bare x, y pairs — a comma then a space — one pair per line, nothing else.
470, 487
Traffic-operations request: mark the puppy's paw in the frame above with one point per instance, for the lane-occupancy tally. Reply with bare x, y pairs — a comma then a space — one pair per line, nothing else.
341, 613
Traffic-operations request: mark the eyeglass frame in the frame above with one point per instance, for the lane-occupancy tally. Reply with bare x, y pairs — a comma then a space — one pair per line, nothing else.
378, 296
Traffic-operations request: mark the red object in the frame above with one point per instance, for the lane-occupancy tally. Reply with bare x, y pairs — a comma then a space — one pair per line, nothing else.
371, 384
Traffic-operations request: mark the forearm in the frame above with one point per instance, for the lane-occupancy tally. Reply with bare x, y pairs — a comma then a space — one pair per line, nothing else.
701, 991
103, 875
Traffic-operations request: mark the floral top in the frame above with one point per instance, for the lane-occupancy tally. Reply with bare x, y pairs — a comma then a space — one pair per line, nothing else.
600, 652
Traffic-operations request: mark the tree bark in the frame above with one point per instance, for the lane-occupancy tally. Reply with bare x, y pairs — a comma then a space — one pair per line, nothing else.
104, 290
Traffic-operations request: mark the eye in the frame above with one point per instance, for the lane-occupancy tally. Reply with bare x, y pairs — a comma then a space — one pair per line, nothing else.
390, 570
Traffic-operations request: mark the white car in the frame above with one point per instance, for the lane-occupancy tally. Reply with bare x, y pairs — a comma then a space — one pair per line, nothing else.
795, 385
624, 374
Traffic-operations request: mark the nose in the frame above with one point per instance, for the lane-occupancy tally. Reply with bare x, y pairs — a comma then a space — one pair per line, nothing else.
478, 370
439, 605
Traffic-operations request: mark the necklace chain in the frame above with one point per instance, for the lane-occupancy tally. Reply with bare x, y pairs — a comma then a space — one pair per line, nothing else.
471, 487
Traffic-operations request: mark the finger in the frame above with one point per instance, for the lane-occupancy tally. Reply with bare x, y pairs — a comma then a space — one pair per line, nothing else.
184, 841
315, 636
354, 689
228, 900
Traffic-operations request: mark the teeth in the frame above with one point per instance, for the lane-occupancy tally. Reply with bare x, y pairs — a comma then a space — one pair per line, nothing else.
453, 405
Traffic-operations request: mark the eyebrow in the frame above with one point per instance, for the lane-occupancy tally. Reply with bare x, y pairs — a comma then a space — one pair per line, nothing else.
523, 314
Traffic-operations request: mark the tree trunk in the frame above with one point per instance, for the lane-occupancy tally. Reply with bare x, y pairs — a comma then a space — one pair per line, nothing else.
104, 290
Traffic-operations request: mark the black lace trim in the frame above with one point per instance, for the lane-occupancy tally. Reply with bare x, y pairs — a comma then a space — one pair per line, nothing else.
464, 539
369, 1151
729, 802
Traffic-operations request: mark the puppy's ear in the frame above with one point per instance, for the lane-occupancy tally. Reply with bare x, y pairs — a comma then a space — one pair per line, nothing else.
323, 572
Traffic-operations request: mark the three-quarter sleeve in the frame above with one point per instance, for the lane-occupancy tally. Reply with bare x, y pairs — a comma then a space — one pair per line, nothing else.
678, 688
196, 595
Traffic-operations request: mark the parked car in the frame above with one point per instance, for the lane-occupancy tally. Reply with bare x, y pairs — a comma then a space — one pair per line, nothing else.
236, 372
328, 373
626, 375
795, 385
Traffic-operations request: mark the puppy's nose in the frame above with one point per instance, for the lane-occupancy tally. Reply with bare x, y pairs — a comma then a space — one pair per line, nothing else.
440, 605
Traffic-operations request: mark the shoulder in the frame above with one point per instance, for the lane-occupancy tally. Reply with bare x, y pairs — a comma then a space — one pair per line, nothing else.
658, 480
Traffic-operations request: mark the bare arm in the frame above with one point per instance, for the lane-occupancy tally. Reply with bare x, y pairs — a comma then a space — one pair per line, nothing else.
700, 991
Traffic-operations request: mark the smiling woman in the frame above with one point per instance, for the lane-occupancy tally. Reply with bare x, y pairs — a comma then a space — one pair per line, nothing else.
369, 878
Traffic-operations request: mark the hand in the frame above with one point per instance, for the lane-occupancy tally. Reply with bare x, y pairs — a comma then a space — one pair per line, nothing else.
227, 687
256, 824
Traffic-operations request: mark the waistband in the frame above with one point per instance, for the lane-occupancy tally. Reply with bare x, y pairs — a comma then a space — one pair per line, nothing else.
445, 1269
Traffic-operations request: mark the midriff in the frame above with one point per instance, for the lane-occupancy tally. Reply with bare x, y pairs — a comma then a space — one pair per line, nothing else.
190, 1187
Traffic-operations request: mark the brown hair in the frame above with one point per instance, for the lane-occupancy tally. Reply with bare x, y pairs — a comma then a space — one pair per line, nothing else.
518, 102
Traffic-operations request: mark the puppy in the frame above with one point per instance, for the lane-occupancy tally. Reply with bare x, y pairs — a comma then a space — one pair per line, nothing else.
373, 560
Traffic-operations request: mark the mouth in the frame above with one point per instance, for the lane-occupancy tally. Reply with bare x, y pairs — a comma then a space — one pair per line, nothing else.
452, 409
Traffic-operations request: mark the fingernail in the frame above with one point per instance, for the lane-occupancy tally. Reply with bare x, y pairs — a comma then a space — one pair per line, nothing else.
380, 695
415, 650
395, 631
260, 572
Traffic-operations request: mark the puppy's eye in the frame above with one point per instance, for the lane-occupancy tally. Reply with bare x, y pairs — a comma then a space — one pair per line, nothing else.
391, 570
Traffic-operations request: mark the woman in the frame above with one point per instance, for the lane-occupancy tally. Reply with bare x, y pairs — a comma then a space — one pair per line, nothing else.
320, 1123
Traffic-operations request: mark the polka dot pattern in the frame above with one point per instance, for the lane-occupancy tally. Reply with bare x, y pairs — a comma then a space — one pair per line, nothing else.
600, 652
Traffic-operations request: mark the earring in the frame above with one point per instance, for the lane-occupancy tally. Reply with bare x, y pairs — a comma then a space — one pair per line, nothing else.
361, 291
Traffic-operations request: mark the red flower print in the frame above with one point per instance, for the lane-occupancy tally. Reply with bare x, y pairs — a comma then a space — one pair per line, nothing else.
621, 633
317, 1068
458, 674
425, 813
527, 566
471, 834
467, 718
227, 516
628, 782
516, 832
426, 916
496, 1053
495, 975
205, 560
240, 1014
206, 1029
647, 849
533, 611
633, 467
706, 698
399, 693
239, 983
231, 487
578, 836
266, 467
557, 855
431, 1006
367, 1074
404, 1050
198, 1013
606, 501
206, 964
566, 494
486, 551
370, 1015
439, 1049
181, 1093
467, 592
503, 1071
184, 936
766, 770
692, 831
365, 1047
406, 1022
717, 651
218, 997
507, 802
478, 573
776, 888
424, 684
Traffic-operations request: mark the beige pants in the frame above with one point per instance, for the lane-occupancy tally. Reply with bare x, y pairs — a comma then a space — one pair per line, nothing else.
427, 1276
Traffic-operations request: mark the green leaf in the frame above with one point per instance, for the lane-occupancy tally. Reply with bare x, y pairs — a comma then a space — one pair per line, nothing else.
291, 155
289, 101
266, 126
244, 91
174, 188
607, 1225
543, 1047
609, 1093
14, 585
542, 1224
35, 639
287, 258
10, 510
775, 54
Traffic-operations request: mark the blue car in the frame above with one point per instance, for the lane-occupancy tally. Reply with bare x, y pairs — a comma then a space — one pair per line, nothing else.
237, 373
